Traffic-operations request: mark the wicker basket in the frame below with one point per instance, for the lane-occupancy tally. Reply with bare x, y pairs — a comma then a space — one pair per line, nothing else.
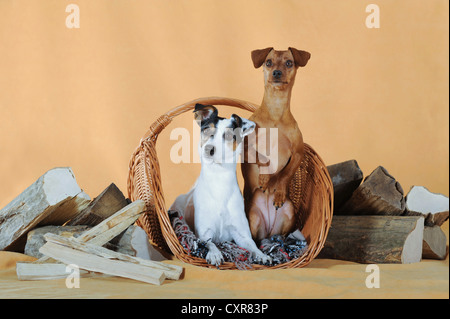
311, 192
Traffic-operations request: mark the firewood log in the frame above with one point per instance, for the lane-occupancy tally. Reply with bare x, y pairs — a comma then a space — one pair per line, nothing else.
104, 205
35, 238
134, 242
434, 243
52, 200
421, 202
346, 178
379, 194
375, 239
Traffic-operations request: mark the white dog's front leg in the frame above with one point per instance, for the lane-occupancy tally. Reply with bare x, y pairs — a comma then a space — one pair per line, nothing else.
214, 256
248, 243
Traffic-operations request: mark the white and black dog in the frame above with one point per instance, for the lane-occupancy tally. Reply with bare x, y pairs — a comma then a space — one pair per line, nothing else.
214, 205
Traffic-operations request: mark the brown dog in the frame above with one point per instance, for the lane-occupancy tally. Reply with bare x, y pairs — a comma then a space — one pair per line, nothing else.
268, 208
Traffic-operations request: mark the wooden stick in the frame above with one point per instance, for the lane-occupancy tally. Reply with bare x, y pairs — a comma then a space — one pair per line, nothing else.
30, 271
170, 271
96, 263
105, 231
109, 228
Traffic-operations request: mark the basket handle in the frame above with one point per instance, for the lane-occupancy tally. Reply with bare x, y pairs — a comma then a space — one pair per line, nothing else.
166, 118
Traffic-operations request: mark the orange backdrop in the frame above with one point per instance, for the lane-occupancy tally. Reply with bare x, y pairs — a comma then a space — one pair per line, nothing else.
84, 97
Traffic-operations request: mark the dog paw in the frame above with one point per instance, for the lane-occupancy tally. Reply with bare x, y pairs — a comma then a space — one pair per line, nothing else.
279, 197
262, 258
264, 181
214, 257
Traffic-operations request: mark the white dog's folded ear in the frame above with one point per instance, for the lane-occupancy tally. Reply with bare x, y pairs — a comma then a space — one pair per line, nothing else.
247, 127
204, 113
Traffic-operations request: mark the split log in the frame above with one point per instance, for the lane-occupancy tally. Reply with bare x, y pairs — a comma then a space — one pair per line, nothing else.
52, 200
379, 194
99, 259
134, 242
114, 225
35, 238
375, 239
170, 271
100, 264
103, 206
434, 243
346, 178
421, 202
110, 227
98, 235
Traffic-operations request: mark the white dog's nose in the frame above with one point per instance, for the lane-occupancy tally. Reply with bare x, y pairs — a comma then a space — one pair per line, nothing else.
209, 150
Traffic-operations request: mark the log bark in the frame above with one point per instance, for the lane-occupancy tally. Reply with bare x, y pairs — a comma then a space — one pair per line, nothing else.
52, 200
103, 206
346, 178
375, 239
35, 238
379, 194
433, 206
434, 243
134, 242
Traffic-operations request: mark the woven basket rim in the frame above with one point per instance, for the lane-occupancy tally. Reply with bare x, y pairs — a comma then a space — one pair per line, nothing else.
144, 182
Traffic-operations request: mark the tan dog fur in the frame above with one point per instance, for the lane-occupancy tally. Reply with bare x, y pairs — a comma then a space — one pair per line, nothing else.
268, 208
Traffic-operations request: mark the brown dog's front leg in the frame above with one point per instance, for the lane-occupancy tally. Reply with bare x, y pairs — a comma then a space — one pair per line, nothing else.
284, 178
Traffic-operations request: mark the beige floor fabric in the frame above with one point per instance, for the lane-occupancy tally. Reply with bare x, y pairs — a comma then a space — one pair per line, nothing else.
323, 278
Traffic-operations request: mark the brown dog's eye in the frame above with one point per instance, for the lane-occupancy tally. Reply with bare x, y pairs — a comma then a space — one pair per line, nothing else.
269, 63
289, 63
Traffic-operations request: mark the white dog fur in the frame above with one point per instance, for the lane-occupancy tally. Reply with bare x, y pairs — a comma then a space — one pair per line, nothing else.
214, 206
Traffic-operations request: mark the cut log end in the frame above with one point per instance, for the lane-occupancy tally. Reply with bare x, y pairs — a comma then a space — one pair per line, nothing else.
375, 239
433, 206
434, 243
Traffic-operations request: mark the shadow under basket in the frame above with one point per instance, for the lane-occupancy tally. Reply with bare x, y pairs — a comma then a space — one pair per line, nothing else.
311, 192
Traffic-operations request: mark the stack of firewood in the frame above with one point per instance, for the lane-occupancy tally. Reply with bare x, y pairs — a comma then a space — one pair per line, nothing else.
374, 222
56, 221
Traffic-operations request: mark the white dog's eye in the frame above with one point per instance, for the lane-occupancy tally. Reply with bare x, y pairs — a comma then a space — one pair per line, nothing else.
209, 131
228, 136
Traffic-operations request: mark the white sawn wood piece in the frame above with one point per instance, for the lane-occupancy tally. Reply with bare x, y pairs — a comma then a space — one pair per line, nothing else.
98, 235
135, 242
94, 262
170, 271
30, 271
434, 207
52, 200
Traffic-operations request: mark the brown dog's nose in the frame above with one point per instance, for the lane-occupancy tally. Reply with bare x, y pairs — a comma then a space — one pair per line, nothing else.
277, 74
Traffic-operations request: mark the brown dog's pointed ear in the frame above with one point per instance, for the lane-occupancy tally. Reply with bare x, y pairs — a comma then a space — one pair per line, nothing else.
258, 56
300, 57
